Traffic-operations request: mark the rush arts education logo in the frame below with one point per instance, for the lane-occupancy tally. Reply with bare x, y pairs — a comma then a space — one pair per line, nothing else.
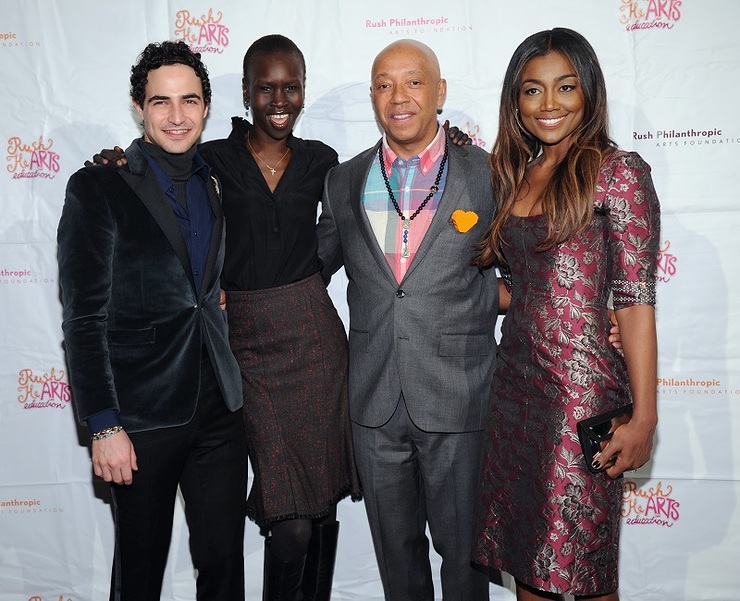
31, 159
45, 390
473, 131
649, 506
203, 33
667, 263
649, 14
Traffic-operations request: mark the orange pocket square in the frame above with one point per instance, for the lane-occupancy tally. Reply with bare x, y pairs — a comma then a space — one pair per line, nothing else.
464, 220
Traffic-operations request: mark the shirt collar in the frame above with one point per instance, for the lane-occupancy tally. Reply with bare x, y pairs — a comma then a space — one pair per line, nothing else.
426, 157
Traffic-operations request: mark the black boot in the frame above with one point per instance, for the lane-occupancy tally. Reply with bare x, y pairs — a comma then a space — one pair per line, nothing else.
282, 579
320, 559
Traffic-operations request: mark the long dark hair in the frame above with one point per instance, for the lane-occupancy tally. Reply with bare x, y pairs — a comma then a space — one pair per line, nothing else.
567, 202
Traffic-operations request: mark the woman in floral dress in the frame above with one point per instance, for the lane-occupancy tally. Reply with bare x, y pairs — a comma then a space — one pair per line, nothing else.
577, 223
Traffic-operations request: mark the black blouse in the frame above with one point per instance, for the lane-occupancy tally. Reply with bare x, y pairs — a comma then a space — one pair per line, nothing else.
270, 236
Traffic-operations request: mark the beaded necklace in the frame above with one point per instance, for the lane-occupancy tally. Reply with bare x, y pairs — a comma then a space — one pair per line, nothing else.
407, 221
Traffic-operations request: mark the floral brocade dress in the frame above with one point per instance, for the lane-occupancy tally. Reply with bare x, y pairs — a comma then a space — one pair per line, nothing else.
543, 517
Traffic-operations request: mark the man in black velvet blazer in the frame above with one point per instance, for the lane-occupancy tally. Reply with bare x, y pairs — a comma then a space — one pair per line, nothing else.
140, 254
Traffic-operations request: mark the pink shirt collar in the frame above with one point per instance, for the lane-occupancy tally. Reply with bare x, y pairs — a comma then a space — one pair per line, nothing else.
427, 157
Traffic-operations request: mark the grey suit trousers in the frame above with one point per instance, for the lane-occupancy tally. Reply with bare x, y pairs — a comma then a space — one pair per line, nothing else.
411, 477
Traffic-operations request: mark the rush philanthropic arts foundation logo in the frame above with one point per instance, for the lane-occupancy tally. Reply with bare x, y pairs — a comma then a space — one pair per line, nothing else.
649, 14
203, 33
15, 506
666, 263
43, 390
40, 598
417, 24
32, 159
649, 506
22, 276
10, 39
685, 138
689, 386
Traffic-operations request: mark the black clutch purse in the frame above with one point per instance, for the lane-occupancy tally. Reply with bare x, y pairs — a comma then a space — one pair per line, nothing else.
595, 431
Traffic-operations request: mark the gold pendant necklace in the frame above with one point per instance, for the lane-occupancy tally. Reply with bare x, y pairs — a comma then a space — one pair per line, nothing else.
259, 158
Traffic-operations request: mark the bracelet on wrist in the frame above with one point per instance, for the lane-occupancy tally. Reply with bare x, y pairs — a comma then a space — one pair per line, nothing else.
108, 432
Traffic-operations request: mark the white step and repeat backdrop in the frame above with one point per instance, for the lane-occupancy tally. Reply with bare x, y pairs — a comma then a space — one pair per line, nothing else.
672, 70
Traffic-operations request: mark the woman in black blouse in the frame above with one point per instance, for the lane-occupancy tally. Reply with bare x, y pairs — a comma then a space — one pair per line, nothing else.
284, 330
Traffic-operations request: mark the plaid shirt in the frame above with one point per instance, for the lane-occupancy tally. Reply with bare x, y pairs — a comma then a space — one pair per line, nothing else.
410, 181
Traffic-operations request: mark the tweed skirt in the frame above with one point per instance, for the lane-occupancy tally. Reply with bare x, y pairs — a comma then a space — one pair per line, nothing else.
291, 347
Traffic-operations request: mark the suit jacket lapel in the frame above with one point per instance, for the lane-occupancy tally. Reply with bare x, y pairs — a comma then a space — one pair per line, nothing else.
457, 175
144, 184
357, 184
214, 196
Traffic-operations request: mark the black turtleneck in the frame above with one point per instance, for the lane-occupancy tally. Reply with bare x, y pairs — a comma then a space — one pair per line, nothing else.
178, 167
184, 179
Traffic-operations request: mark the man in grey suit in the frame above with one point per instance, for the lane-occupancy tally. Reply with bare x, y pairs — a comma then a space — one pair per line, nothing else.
403, 218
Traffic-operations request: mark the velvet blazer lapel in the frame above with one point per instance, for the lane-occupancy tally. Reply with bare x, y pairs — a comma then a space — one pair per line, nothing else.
214, 196
144, 183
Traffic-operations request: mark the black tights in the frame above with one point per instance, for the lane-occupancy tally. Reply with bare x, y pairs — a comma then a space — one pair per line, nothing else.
290, 538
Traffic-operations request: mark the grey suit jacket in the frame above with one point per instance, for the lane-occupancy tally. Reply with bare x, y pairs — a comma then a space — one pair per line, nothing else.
134, 326
431, 336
